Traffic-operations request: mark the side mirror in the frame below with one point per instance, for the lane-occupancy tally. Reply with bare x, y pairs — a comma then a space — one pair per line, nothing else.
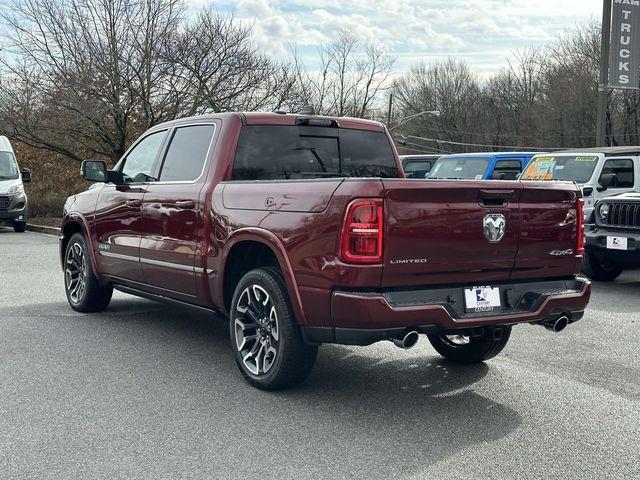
606, 180
26, 175
94, 170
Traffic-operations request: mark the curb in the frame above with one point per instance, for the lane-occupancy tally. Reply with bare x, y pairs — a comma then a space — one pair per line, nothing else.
42, 229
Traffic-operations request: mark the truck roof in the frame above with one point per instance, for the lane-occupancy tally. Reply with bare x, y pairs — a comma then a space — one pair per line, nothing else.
273, 118
5, 146
607, 151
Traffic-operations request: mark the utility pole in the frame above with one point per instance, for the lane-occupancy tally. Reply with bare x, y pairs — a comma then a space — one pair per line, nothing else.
390, 110
603, 88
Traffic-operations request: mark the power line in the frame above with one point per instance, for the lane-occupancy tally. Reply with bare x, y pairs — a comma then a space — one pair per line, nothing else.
423, 147
512, 147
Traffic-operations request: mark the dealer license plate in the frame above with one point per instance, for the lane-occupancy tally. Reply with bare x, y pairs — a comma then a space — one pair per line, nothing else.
617, 243
482, 299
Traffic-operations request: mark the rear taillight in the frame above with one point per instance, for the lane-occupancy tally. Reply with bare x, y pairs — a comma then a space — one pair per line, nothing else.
580, 228
361, 238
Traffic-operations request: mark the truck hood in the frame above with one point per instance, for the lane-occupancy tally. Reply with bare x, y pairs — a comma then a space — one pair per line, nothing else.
5, 185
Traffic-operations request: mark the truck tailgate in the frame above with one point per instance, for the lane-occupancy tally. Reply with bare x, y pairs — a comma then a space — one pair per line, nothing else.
435, 234
444, 232
548, 233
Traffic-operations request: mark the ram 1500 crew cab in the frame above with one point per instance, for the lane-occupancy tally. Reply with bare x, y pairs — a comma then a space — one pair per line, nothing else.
303, 231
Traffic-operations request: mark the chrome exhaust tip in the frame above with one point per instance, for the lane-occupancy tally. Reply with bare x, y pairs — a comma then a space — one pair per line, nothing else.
408, 341
557, 325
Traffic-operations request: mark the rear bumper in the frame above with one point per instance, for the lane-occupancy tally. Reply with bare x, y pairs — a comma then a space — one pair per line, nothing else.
362, 318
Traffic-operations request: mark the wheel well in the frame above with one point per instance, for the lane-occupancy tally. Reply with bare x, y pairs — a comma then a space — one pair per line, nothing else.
70, 229
242, 258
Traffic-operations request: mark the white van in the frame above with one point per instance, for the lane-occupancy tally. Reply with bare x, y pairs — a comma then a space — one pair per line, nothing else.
13, 200
600, 172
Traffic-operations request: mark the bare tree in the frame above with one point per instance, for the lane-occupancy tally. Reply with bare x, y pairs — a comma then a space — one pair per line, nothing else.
85, 77
350, 79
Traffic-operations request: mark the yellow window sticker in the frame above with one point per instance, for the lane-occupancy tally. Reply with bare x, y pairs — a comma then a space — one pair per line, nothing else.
586, 159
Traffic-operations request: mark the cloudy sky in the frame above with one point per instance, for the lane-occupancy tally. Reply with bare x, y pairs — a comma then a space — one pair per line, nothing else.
483, 32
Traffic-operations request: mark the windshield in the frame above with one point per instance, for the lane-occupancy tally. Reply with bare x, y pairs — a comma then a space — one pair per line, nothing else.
276, 152
576, 168
459, 168
8, 166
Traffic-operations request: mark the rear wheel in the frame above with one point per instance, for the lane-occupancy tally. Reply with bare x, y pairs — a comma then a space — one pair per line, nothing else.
600, 269
466, 349
265, 337
84, 291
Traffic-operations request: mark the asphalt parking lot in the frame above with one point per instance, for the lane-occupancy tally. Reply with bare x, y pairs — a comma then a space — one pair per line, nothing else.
144, 390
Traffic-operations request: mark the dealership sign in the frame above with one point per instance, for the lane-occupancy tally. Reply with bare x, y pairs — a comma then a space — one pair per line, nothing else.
624, 64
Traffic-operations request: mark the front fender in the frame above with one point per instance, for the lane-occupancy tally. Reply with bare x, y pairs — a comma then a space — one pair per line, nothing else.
66, 229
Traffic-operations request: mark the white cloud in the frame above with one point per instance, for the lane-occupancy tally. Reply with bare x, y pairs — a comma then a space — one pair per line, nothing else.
484, 32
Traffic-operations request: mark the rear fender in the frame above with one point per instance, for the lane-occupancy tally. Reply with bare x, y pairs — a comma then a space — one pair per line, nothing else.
271, 241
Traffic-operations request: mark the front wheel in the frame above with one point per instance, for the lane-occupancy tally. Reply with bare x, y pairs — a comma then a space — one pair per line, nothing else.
466, 349
20, 227
84, 291
601, 270
265, 337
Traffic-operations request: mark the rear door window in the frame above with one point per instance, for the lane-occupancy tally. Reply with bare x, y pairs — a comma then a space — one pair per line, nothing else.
623, 170
187, 153
506, 170
268, 152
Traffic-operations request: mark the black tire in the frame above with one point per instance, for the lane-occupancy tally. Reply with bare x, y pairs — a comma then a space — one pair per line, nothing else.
476, 350
94, 296
601, 270
20, 227
276, 332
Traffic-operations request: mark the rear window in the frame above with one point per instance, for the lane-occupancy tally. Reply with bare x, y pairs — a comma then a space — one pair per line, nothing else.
267, 152
576, 168
459, 168
506, 170
417, 166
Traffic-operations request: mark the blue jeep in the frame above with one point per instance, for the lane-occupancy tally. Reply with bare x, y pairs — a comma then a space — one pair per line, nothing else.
481, 166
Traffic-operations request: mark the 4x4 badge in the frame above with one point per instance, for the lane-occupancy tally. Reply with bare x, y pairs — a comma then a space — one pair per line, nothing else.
494, 226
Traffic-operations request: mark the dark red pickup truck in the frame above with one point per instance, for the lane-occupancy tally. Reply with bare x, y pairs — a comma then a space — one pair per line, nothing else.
302, 230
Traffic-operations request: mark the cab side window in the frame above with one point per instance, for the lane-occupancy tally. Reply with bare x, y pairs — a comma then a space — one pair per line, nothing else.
139, 163
623, 170
187, 153
506, 170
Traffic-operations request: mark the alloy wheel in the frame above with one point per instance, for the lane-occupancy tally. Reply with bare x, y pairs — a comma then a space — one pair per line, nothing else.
256, 329
75, 272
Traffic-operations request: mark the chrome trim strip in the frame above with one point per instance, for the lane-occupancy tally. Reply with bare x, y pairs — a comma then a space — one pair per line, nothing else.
160, 263
157, 263
119, 256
